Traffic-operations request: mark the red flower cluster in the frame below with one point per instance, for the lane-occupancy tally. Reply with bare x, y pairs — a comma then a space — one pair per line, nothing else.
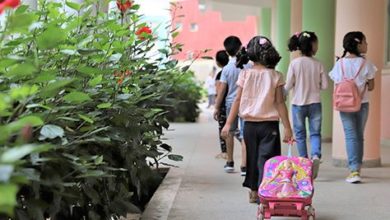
124, 5
142, 31
121, 75
8, 4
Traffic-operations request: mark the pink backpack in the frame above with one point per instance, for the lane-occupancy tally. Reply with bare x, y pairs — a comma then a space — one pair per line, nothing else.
346, 96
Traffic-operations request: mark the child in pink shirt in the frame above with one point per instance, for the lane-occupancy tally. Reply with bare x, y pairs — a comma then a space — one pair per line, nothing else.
306, 77
260, 102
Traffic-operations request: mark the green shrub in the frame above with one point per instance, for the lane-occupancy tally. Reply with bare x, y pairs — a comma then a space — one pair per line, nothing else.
82, 111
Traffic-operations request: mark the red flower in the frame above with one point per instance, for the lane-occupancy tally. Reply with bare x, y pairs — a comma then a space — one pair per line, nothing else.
121, 75
120, 80
8, 4
143, 31
124, 5
128, 73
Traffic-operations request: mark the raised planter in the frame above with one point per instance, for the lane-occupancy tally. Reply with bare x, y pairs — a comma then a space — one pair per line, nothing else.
161, 202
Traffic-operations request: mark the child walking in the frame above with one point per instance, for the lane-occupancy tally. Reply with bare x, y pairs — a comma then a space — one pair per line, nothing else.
260, 103
222, 59
306, 77
228, 81
211, 90
353, 66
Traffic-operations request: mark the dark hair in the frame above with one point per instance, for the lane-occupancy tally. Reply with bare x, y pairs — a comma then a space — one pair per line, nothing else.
303, 42
232, 45
261, 50
242, 58
222, 57
351, 41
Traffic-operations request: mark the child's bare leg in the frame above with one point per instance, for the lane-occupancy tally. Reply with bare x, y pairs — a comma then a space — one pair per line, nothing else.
230, 147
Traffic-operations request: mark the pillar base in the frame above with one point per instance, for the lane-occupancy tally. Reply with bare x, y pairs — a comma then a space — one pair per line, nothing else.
366, 163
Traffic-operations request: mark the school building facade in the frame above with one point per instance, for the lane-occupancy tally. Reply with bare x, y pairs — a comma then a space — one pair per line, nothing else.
278, 20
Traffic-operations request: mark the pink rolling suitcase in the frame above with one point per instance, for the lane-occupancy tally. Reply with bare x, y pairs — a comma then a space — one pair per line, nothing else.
287, 188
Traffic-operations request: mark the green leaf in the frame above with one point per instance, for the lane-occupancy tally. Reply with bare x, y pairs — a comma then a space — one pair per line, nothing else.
52, 88
175, 34
38, 106
21, 9
77, 97
4, 102
166, 147
92, 173
45, 76
73, 5
175, 157
86, 118
8, 198
90, 71
99, 160
51, 37
21, 70
88, 51
68, 118
51, 131
14, 154
104, 105
185, 68
20, 93
152, 112
20, 22
95, 81
32, 121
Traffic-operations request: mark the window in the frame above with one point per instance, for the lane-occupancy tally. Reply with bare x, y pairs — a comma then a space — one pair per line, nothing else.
194, 27
202, 7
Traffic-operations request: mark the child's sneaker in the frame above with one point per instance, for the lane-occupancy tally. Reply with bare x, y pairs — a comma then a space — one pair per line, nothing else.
229, 167
243, 171
354, 177
316, 166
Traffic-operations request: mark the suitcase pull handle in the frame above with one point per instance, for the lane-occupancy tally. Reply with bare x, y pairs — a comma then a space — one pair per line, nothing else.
290, 144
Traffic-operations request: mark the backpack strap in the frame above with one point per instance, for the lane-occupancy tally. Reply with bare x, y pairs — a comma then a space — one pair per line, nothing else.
356, 74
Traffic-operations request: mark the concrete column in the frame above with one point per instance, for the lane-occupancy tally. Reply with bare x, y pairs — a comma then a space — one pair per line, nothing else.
283, 13
368, 17
296, 21
265, 26
322, 22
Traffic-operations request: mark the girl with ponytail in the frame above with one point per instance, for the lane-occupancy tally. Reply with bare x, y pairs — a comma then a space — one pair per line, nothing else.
260, 102
355, 67
306, 78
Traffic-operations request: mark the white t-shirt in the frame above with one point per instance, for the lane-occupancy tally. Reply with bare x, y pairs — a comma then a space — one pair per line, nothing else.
210, 85
306, 77
351, 66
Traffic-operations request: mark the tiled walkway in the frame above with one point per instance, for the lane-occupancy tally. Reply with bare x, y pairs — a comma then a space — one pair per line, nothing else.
206, 192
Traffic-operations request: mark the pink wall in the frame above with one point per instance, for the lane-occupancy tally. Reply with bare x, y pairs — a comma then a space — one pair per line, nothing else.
385, 107
212, 30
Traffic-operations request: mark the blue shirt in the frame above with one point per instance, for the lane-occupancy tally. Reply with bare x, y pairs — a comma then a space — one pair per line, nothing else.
229, 76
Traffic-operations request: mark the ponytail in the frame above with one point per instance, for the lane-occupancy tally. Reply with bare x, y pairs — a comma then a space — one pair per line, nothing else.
293, 43
242, 58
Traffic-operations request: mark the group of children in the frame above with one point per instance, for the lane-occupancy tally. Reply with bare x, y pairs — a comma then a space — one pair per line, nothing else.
251, 97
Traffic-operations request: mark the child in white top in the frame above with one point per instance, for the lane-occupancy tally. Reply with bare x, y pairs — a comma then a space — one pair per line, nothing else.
355, 45
306, 77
